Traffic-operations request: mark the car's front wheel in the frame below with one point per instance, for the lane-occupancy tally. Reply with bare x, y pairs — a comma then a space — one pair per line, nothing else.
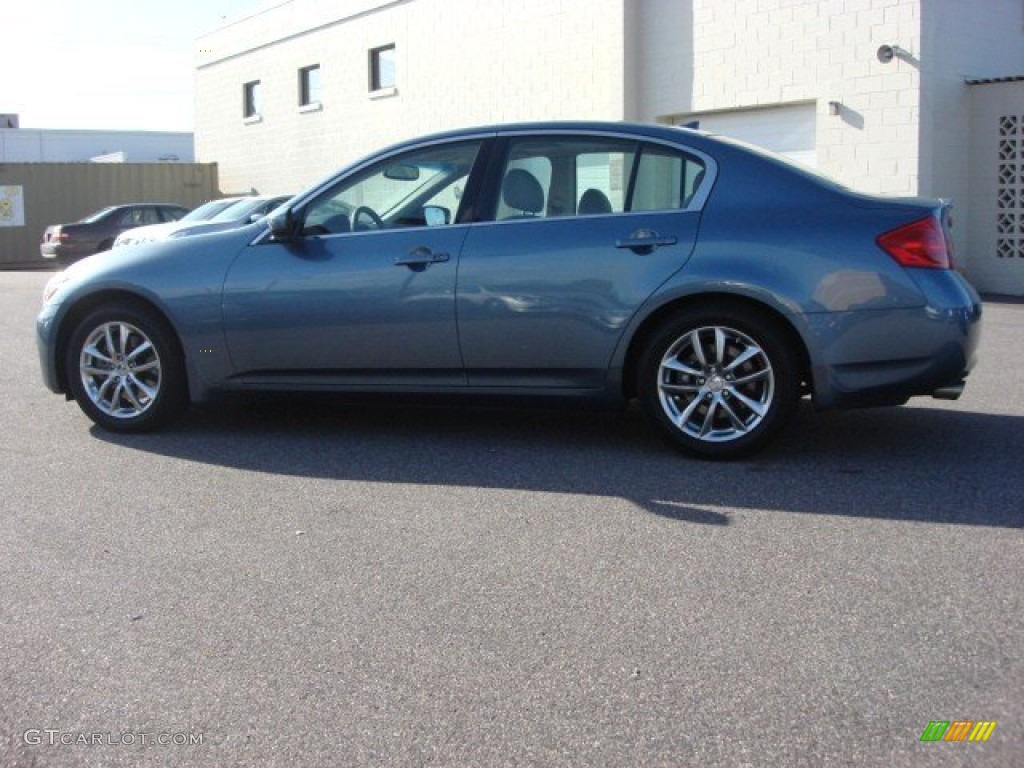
718, 383
124, 369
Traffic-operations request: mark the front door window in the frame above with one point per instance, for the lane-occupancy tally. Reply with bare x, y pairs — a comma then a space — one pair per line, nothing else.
394, 194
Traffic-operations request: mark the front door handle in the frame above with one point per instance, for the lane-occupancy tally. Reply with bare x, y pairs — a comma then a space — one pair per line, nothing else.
645, 241
420, 258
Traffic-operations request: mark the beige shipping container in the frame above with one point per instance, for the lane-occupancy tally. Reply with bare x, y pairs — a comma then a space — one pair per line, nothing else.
35, 195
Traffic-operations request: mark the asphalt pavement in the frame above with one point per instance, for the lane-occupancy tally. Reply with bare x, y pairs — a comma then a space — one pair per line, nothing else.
310, 582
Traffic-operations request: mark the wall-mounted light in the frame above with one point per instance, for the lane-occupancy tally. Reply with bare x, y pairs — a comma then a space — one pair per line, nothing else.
834, 108
887, 53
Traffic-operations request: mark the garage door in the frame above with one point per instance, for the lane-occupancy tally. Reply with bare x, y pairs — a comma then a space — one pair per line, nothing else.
787, 130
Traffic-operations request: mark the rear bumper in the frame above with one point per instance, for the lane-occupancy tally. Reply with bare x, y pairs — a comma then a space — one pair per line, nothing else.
885, 357
66, 251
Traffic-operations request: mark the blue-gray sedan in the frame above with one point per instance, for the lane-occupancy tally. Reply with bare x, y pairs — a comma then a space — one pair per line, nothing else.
714, 282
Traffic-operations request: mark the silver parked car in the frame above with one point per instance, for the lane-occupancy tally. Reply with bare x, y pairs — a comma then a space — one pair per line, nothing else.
715, 282
151, 232
228, 214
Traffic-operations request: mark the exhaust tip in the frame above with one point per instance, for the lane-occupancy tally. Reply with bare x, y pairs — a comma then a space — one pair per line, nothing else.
950, 392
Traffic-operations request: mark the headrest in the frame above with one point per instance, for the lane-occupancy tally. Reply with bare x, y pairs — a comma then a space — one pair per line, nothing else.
594, 201
522, 191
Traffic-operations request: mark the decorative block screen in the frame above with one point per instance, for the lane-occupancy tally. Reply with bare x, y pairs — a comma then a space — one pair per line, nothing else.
1010, 197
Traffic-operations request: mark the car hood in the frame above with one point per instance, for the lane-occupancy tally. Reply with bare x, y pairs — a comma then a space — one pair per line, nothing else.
204, 227
161, 231
150, 231
154, 268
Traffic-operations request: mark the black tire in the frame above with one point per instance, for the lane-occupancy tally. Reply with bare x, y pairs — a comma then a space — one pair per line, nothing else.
726, 395
131, 347
106, 245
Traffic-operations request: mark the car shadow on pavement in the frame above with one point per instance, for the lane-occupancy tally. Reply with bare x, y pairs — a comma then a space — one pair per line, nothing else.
930, 464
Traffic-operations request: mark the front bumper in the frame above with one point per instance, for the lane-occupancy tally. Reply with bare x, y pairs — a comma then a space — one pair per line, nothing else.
46, 345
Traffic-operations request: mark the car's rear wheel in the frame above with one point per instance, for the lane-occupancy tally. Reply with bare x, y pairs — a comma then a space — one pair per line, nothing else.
719, 383
124, 369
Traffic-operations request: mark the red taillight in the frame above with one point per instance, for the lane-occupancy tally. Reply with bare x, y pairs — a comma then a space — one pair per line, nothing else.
921, 243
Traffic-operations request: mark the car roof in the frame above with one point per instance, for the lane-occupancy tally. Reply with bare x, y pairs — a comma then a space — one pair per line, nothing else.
108, 209
695, 139
716, 145
603, 126
137, 205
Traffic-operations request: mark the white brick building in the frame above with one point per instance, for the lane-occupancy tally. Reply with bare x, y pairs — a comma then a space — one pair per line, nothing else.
799, 76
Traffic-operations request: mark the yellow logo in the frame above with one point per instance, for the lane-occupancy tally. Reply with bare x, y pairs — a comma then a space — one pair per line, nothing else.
958, 730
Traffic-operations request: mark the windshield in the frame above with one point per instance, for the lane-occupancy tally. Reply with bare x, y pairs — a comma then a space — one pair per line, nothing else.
208, 210
239, 210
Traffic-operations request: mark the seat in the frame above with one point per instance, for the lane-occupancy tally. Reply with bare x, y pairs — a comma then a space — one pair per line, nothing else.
522, 192
594, 201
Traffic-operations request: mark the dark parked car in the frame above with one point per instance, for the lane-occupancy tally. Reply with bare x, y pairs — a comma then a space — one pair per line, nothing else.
715, 282
96, 232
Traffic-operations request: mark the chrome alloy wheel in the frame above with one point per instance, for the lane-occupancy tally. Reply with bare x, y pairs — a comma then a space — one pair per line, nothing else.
715, 384
120, 370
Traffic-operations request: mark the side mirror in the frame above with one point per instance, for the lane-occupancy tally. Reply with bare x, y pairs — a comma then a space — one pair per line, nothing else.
436, 215
282, 226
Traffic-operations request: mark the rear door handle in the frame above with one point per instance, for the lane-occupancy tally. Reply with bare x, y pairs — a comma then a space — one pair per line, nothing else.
420, 258
645, 241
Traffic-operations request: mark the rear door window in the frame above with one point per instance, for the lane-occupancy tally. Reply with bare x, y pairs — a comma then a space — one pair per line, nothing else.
553, 176
139, 216
546, 177
665, 179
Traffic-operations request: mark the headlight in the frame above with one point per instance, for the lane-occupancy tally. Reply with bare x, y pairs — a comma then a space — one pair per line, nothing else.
53, 285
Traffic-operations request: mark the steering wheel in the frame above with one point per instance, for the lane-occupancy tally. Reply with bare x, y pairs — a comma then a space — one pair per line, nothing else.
371, 214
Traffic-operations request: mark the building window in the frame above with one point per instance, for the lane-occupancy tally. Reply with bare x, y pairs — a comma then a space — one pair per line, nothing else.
382, 68
309, 86
252, 102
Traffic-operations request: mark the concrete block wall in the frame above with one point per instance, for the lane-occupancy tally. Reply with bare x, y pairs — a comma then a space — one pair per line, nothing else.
751, 54
459, 63
967, 41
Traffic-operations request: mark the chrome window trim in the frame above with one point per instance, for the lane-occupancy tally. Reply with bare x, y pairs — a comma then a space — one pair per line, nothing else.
697, 202
584, 217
